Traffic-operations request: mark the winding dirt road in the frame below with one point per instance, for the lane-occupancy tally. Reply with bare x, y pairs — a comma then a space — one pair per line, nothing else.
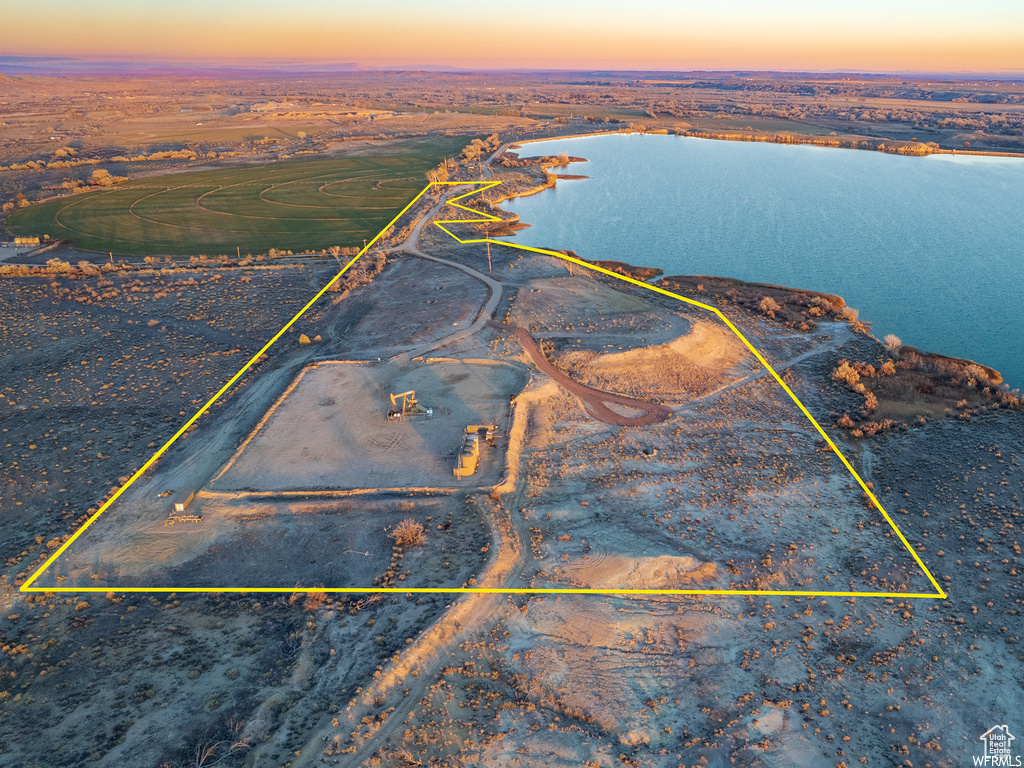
594, 400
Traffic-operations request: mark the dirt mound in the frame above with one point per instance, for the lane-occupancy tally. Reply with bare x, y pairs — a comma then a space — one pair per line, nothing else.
695, 364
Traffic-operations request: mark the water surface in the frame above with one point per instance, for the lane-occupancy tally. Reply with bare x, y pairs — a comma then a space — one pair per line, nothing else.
931, 249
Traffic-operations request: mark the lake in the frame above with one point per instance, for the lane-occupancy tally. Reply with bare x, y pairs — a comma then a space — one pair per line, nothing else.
929, 248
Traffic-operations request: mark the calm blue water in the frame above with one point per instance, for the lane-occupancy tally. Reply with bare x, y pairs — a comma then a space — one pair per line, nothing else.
931, 249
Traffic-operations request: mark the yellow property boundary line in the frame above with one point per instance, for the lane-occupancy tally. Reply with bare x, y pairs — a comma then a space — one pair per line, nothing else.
483, 218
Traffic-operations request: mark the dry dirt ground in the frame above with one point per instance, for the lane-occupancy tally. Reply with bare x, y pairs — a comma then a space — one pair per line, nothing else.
332, 430
732, 491
416, 302
284, 420
735, 491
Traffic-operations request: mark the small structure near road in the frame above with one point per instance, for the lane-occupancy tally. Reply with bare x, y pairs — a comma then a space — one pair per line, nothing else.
180, 513
183, 519
487, 430
182, 505
469, 456
469, 453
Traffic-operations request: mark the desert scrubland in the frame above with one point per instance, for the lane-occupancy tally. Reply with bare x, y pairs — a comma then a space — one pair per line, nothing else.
304, 486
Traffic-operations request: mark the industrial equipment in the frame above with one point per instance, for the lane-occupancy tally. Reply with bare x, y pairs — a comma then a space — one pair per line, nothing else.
409, 405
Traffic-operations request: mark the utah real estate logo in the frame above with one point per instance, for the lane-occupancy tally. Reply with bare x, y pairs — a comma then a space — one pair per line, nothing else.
998, 751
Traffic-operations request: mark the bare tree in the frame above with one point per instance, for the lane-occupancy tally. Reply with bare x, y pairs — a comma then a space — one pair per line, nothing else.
210, 751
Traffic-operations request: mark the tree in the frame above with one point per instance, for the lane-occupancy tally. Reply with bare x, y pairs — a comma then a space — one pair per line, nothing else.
769, 306
893, 343
475, 149
846, 374
870, 402
438, 174
101, 178
977, 374
56, 265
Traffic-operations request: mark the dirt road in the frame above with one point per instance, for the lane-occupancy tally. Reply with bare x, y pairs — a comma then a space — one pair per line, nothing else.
594, 400
410, 246
472, 613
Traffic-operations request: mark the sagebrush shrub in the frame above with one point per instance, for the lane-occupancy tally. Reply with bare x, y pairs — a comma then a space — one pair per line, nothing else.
408, 533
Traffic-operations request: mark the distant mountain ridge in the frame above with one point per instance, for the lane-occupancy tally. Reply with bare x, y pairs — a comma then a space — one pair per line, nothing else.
57, 66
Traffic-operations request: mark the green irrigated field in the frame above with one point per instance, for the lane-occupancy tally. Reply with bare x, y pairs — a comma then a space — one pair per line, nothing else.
292, 205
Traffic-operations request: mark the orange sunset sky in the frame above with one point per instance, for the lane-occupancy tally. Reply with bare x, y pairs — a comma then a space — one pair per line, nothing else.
866, 35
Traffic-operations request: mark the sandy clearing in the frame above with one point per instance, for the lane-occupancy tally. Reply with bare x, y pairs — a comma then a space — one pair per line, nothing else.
707, 356
331, 430
556, 302
663, 572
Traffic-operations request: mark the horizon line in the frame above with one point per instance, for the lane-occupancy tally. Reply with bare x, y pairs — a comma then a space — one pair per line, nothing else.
92, 64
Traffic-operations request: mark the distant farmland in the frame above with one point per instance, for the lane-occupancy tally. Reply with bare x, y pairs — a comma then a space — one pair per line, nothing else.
292, 205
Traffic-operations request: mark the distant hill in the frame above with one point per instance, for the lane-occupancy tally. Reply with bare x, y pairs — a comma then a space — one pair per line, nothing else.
39, 65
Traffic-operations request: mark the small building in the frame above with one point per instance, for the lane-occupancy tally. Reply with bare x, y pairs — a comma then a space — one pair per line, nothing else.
181, 505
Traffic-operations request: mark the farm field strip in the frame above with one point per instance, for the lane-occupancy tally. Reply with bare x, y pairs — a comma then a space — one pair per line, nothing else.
292, 205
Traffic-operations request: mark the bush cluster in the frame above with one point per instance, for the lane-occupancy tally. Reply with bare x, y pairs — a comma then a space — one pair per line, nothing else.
408, 533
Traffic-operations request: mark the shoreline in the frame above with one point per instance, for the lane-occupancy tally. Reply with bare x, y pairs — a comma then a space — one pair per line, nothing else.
656, 275
546, 162
864, 144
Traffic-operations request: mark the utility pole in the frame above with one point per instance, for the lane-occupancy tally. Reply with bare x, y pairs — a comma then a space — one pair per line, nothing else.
488, 255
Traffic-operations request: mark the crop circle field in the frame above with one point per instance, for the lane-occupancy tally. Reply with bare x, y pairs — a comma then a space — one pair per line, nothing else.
291, 205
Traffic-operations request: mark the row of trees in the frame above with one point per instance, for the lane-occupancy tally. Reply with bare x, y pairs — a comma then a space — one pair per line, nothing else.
479, 147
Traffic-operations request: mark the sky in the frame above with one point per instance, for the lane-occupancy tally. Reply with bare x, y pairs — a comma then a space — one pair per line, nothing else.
817, 35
